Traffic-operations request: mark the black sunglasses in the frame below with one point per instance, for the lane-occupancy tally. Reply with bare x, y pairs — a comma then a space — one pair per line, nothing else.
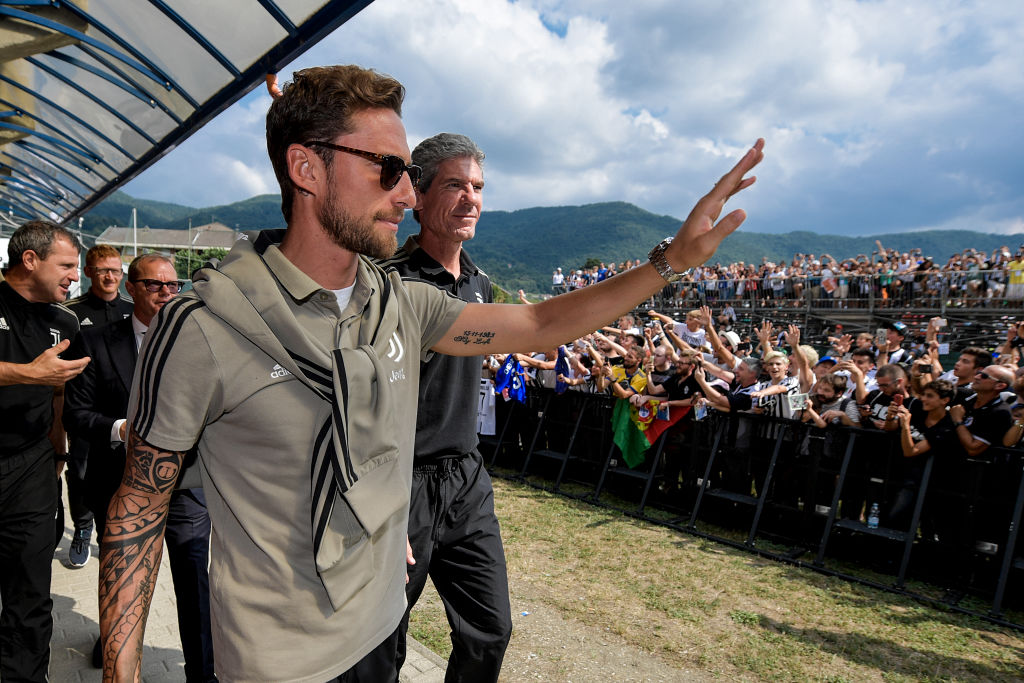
391, 167
174, 286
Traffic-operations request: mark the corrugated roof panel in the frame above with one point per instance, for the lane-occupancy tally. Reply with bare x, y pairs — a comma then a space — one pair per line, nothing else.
92, 92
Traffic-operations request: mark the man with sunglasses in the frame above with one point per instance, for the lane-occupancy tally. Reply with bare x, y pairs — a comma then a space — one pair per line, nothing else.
101, 305
96, 408
293, 371
982, 419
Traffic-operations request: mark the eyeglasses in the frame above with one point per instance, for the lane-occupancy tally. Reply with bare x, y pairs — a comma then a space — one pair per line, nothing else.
174, 286
391, 167
984, 375
100, 272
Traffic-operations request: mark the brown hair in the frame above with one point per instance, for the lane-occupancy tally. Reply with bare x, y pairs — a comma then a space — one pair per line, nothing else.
100, 251
38, 236
318, 104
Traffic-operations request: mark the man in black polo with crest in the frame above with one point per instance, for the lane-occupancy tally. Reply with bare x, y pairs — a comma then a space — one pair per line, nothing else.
453, 531
34, 330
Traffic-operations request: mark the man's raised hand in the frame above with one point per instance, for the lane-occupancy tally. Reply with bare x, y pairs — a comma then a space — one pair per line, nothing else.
699, 236
48, 368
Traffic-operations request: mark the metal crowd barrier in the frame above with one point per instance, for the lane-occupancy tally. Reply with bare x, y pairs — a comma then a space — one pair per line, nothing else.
937, 292
759, 484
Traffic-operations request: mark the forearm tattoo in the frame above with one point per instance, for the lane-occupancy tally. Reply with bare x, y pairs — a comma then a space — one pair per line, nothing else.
474, 337
130, 553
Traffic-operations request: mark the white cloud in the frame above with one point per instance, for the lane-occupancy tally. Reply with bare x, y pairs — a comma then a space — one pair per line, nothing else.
894, 113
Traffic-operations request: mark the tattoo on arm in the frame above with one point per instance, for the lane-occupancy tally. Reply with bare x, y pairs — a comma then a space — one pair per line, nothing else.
130, 554
473, 337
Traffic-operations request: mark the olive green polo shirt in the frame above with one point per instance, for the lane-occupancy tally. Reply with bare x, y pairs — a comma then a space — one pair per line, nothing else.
202, 382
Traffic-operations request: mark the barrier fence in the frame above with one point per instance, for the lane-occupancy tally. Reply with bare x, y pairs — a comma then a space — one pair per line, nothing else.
947, 521
935, 291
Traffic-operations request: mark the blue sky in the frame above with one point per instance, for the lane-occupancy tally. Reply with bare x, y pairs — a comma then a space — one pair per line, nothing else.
880, 116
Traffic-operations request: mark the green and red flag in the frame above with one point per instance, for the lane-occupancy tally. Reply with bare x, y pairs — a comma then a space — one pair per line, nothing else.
635, 428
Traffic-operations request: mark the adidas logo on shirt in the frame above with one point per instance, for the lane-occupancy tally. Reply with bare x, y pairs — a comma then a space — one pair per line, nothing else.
277, 372
4, 325
85, 321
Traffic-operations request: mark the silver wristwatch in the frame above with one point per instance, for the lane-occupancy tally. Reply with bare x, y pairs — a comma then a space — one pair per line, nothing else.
660, 263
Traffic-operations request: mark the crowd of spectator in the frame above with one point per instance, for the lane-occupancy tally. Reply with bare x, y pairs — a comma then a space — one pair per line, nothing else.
880, 383
887, 276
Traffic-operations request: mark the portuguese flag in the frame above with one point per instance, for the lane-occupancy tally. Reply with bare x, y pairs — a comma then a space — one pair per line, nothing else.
635, 429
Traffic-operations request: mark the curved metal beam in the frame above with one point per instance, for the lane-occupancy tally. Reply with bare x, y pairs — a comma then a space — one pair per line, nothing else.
77, 35
278, 14
165, 80
22, 164
80, 64
74, 86
128, 79
49, 138
66, 113
195, 35
39, 149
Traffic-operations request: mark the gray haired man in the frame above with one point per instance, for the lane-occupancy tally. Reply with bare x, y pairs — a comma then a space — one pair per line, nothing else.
453, 532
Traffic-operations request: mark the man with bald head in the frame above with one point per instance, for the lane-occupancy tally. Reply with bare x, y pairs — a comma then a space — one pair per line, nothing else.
982, 419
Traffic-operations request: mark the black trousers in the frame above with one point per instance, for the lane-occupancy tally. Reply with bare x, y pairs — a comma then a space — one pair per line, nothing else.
378, 666
28, 498
81, 515
187, 538
456, 539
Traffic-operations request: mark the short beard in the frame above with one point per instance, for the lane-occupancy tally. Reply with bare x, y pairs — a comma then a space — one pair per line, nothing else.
355, 235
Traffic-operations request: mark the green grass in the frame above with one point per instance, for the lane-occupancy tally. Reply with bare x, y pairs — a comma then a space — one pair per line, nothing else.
696, 604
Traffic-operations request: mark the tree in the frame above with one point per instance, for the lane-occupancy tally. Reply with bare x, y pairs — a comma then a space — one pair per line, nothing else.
186, 262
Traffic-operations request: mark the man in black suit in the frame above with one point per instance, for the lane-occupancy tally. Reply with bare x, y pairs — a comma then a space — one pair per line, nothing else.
95, 407
101, 305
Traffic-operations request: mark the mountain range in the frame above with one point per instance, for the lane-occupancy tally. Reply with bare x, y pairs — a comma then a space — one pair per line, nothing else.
520, 249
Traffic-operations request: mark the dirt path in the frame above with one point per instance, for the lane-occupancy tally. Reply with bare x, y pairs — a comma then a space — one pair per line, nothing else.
547, 646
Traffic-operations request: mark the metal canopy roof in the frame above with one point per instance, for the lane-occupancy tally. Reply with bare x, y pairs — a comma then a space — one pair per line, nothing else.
92, 92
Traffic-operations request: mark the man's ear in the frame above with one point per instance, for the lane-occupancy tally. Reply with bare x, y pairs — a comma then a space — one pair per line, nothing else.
419, 200
30, 260
305, 168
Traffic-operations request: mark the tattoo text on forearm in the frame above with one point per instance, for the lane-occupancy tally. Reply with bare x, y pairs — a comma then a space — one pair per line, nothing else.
474, 337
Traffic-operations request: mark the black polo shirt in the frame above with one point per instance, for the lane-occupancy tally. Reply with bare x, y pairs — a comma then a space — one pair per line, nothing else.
92, 311
449, 385
26, 330
943, 443
989, 422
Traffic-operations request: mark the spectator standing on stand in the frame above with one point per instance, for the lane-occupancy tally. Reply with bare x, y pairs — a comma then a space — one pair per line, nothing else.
557, 282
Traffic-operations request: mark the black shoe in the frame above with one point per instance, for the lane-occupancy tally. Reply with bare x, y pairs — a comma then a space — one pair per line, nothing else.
97, 654
80, 550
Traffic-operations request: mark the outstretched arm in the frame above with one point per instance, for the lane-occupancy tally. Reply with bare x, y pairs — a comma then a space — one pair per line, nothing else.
562, 318
716, 342
130, 554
